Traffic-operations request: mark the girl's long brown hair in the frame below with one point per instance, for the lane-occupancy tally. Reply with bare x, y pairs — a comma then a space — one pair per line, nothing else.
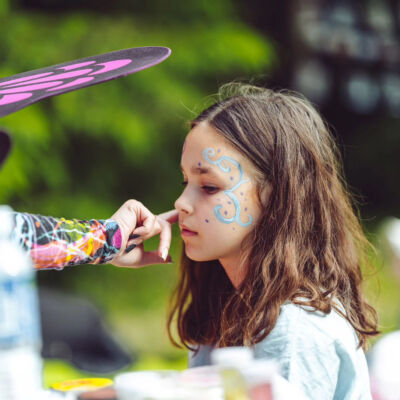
308, 245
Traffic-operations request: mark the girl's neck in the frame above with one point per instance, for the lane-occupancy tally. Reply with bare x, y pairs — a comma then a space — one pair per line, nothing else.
233, 269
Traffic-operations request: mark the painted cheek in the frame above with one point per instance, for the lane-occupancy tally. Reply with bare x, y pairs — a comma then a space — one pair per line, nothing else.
210, 218
235, 193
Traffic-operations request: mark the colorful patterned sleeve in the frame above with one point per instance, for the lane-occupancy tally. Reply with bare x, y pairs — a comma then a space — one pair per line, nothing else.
54, 243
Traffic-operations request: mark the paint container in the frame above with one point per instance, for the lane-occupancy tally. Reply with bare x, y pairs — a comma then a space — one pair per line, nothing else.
202, 383
192, 384
149, 385
259, 377
74, 388
106, 393
230, 361
245, 378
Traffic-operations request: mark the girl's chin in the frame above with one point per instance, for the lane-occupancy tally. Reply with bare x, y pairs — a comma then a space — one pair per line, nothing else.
194, 258
197, 257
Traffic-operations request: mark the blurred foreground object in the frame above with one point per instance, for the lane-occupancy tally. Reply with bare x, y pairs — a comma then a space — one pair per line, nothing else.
385, 368
392, 239
156, 385
20, 362
192, 384
392, 233
384, 357
73, 330
246, 378
78, 388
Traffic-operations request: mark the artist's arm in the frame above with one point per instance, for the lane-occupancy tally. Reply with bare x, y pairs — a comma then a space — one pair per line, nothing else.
54, 243
59, 242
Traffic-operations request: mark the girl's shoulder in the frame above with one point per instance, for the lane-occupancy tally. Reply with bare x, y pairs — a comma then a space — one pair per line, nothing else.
304, 325
317, 351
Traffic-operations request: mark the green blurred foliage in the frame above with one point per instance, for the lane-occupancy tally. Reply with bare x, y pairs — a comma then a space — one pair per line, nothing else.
84, 153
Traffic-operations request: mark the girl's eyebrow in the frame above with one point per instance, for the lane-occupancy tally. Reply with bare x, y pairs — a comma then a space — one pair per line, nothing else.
196, 170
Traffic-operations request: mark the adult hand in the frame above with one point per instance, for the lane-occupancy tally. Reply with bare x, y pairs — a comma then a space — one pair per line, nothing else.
138, 224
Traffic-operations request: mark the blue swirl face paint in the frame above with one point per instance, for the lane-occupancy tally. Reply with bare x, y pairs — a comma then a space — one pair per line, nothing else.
223, 164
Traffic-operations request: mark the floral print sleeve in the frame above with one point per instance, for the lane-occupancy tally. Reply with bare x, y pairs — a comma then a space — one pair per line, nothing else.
54, 243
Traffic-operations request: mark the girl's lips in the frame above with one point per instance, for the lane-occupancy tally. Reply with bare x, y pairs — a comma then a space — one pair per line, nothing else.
186, 232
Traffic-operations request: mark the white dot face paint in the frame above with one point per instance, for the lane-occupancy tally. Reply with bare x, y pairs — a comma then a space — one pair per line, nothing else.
219, 205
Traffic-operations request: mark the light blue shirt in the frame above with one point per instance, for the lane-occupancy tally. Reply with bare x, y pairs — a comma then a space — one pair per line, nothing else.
317, 352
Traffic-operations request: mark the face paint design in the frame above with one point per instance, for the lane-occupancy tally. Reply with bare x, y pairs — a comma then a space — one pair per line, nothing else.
212, 215
223, 164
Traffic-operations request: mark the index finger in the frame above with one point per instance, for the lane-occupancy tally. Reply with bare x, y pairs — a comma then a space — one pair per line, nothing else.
170, 216
165, 238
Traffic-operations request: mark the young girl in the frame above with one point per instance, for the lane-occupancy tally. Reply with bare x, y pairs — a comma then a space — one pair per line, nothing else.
272, 247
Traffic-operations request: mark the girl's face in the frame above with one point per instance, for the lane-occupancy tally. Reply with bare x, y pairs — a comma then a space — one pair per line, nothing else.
218, 206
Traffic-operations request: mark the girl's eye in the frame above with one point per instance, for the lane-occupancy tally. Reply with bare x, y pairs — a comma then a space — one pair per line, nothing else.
210, 189
205, 188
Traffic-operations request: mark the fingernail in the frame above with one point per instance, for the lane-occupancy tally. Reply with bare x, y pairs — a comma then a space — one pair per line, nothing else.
164, 254
129, 248
134, 236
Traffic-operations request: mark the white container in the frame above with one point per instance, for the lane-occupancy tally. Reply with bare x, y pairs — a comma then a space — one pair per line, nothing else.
231, 361
384, 367
231, 356
202, 383
259, 377
148, 385
193, 384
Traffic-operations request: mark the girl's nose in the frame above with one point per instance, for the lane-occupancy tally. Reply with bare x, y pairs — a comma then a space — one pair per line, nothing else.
183, 203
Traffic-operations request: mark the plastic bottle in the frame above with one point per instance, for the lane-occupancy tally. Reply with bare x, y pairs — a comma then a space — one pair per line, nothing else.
201, 383
20, 344
230, 361
259, 377
243, 376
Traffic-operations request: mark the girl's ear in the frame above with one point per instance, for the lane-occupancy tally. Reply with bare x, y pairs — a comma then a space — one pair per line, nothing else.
265, 193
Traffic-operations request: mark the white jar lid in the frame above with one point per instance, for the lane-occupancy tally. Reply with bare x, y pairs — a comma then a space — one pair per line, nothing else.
231, 356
